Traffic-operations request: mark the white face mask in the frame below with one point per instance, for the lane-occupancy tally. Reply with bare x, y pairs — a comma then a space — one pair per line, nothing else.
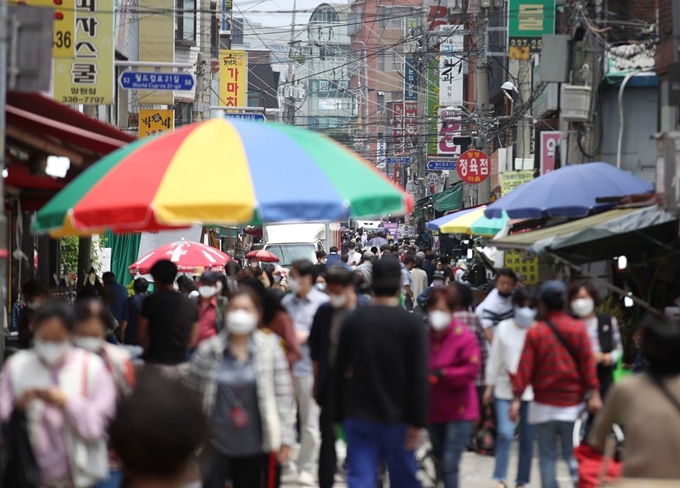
321, 286
241, 322
338, 301
207, 291
254, 264
50, 352
583, 307
324, 261
92, 344
293, 284
34, 305
524, 316
439, 320
277, 278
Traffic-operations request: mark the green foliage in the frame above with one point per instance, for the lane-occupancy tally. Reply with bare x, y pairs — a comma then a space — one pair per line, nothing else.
69, 253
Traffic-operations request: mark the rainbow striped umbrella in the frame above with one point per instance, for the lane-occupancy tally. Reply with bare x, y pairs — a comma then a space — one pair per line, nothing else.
222, 172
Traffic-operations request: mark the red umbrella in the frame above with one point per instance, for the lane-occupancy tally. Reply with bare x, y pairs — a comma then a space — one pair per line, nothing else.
186, 255
263, 256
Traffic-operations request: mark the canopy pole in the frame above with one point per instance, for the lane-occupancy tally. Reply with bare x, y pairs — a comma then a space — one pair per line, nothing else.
612, 287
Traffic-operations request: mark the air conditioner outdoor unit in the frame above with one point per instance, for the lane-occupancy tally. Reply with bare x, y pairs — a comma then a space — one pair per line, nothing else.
575, 103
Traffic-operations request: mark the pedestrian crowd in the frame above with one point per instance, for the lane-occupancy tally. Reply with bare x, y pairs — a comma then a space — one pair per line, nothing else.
235, 379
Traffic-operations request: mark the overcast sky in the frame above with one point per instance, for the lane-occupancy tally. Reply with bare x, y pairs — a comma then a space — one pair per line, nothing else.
264, 11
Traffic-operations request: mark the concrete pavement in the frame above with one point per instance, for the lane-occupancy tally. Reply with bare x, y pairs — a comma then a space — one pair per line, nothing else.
475, 472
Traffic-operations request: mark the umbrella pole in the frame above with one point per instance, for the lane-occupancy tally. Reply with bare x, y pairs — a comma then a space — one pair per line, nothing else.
620, 291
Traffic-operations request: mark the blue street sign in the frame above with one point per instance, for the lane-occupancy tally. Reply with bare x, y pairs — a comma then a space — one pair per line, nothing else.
441, 165
399, 160
138, 80
246, 116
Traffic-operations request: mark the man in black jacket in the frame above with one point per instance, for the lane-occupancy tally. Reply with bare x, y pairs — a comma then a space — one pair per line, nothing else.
323, 344
380, 384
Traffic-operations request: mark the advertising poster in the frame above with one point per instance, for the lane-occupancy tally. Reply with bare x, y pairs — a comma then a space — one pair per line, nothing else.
233, 78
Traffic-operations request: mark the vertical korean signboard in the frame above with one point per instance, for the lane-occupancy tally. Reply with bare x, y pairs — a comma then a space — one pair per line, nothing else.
432, 108
398, 127
233, 78
410, 122
63, 38
152, 122
410, 80
528, 21
550, 144
88, 77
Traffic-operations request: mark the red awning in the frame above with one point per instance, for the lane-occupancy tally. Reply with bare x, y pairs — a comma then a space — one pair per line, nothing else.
41, 116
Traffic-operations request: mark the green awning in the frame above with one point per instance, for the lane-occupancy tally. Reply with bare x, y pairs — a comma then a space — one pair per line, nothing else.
608, 234
451, 199
423, 202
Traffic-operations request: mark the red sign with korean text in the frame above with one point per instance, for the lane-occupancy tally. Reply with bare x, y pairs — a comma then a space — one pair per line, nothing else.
398, 125
473, 166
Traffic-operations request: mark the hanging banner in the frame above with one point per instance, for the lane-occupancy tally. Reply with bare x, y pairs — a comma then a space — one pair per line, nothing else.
451, 66
550, 144
529, 21
513, 179
88, 77
449, 127
410, 124
432, 107
152, 122
233, 78
380, 153
63, 37
527, 269
410, 80
398, 127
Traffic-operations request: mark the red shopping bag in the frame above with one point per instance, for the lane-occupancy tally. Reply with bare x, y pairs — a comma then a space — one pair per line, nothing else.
594, 468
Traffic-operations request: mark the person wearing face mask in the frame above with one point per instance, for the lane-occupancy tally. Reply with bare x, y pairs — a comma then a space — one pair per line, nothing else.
497, 306
92, 323
323, 343
210, 307
243, 378
67, 398
506, 349
34, 295
321, 261
454, 364
321, 283
603, 331
438, 281
302, 304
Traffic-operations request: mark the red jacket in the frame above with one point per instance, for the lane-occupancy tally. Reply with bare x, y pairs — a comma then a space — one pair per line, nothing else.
547, 365
454, 354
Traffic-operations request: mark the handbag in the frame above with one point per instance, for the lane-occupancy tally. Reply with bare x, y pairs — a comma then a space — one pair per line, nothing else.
21, 467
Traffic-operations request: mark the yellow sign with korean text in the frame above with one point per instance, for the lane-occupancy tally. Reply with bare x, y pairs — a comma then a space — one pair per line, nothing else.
63, 39
527, 269
153, 122
88, 77
233, 78
512, 179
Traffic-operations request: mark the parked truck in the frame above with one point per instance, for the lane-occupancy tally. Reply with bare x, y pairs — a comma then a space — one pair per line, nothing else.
295, 241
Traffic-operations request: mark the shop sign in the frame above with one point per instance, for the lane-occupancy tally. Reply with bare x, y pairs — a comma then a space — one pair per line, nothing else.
63, 36
513, 179
152, 122
233, 78
527, 269
87, 77
411, 80
473, 167
529, 21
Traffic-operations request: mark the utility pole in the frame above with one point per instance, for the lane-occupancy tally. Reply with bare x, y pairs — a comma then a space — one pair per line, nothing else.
203, 63
423, 91
289, 117
4, 252
524, 130
482, 96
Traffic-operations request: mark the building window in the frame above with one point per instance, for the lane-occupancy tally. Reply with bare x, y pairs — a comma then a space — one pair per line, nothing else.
255, 99
183, 113
313, 123
185, 20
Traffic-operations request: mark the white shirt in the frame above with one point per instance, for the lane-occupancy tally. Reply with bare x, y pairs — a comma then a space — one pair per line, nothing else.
494, 309
540, 413
354, 257
506, 351
594, 337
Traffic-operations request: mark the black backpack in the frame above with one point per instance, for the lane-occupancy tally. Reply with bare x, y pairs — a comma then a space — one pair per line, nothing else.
475, 274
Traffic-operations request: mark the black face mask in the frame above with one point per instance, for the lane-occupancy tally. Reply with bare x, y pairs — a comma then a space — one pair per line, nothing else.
505, 295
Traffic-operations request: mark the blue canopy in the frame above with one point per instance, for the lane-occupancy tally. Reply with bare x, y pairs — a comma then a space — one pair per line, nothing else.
571, 191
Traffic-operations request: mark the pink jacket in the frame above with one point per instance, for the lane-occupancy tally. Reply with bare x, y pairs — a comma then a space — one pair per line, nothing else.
454, 365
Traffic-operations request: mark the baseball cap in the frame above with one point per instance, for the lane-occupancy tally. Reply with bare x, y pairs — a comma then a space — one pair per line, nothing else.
439, 275
553, 293
209, 277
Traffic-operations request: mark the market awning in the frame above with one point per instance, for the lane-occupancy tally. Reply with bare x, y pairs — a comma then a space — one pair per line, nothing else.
42, 123
600, 236
447, 200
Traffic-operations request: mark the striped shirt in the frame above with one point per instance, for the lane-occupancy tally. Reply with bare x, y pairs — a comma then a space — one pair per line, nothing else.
494, 309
